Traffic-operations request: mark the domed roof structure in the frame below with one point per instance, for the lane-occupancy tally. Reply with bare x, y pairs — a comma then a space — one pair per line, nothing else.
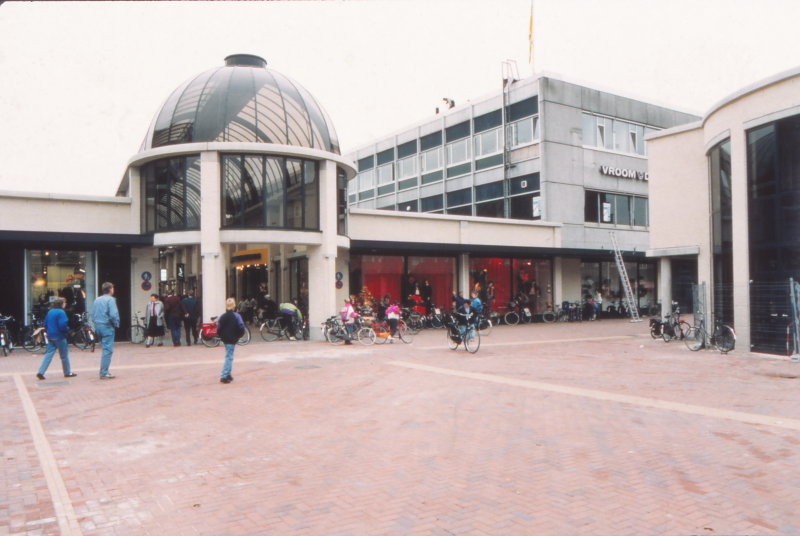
242, 102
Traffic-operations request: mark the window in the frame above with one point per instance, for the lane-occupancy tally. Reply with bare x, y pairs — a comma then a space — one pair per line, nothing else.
366, 180
489, 142
521, 207
459, 197
466, 210
408, 206
434, 202
430, 160
493, 190
491, 209
171, 194
406, 168
523, 132
385, 174
366, 163
615, 134
458, 152
430, 141
384, 157
601, 207
407, 149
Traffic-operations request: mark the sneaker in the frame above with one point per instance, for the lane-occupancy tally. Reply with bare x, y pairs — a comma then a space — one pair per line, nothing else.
292, 338
390, 339
107, 376
70, 375
226, 379
161, 344
40, 376
147, 346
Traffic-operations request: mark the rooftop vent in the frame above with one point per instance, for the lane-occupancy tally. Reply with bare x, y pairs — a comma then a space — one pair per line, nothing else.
245, 60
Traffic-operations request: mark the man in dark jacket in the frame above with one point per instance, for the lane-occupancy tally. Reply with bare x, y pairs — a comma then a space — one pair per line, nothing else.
55, 323
229, 329
175, 313
190, 322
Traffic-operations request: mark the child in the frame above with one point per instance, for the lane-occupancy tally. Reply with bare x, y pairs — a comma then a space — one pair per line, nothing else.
230, 328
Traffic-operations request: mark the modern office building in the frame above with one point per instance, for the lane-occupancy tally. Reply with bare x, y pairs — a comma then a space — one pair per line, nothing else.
239, 182
726, 200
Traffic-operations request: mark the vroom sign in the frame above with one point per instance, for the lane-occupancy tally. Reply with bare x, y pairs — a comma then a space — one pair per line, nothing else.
624, 173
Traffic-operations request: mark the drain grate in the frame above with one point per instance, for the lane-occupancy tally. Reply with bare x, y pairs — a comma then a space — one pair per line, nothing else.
306, 367
53, 384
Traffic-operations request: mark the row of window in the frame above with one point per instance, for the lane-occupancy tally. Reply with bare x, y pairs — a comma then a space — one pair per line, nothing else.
523, 207
618, 209
614, 134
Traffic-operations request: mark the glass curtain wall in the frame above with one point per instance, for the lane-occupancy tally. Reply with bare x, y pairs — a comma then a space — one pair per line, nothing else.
403, 278
604, 276
270, 192
722, 230
533, 277
171, 194
66, 274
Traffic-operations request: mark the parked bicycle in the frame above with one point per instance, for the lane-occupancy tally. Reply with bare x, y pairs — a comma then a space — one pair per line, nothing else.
137, 333
469, 335
5, 341
553, 313
436, 319
512, 317
723, 337
673, 327
272, 329
383, 332
209, 337
80, 332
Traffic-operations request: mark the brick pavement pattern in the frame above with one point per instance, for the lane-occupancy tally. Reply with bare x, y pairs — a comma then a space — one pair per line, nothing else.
314, 439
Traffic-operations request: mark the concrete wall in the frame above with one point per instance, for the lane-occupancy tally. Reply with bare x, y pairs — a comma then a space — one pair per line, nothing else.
23, 211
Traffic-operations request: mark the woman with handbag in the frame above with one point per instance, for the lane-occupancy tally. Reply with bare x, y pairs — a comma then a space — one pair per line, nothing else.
155, 321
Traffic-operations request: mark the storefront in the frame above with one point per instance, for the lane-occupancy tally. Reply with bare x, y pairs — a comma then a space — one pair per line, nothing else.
601, 275
510, 277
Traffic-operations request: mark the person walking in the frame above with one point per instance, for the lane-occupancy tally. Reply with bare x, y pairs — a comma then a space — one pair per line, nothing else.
106, 319
289, 312
155, 321
230, 329
348, 315
55, 324
190, 322
175, 313
393, 318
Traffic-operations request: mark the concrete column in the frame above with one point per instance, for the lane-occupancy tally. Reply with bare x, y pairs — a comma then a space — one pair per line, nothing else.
283, 280
558, 281
274, 275
463, 273
134, 192
741, 240
665, 284
211, 251
322, 259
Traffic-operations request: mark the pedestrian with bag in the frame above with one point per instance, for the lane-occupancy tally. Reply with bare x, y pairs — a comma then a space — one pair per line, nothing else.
230, 329
393, 318
105, 316
190, 322
175, 313
155, 321
55, 324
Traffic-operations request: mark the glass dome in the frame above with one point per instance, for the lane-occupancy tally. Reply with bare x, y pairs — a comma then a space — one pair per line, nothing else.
243, 101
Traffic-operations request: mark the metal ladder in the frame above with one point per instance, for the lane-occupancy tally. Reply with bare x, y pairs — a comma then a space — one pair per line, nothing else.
633, 309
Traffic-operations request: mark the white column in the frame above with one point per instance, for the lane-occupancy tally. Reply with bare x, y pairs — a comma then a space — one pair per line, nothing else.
283, 280
322, 258
463, 274
213, 259
741, 241
665, 284
558, 282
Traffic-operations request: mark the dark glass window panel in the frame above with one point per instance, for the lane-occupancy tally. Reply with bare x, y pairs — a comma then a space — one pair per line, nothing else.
408, 206
761, 161
366, 163
192, 192
492, 161
405, 185
353, 198
591, 210
239, 108
788, 131
386, 156
790, 216
387, 207
525, 183
762, 220
366, 195
149, 205
459, 197
460, 169
270, 119
487, 121
521, 207
176, 194
466, 210
524, 108
311, 191
297, 122
162, 131
253, 191
430, 141
433, 177
185, 114
319, 128
162, 194
434, 202
274, 190
640, 211
492, 190
231, 191
383, 190
764, 260
608, 210
341, 183
294, 194
457, 132
492, 209
623, 210
407, 149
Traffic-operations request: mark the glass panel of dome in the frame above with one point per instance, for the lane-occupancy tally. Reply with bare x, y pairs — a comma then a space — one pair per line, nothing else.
311, 185
334, 148
231, 191
318, 127
274, 191
298, 128
240, 107
210, 115
161, 132
270, 119
252, 183
186, 108
294, 194
192, 192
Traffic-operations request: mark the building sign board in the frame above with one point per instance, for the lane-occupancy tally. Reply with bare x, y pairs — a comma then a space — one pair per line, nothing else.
181, 269
606, 212
624, 173
537, 208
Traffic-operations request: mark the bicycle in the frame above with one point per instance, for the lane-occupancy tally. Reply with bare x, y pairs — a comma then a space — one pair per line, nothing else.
137, 333
486, 322
723, 337
81, 333
272, 329
383, 332
436, 318
471, 337
414, 320
210, 339
5, 341
655, 310
552, 313
673, 327
512, 318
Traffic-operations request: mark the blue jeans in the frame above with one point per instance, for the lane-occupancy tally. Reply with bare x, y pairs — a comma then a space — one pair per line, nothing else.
106, 334
63, 351
175, 323
226, 368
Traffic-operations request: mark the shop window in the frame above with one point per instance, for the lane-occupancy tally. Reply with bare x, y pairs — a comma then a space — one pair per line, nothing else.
66, 274
438, 272
491, 209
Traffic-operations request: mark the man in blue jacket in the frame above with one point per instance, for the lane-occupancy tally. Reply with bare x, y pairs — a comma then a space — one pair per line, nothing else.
106, 318
55, 323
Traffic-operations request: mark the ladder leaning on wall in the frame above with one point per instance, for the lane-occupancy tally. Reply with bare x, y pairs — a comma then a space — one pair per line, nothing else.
633, 308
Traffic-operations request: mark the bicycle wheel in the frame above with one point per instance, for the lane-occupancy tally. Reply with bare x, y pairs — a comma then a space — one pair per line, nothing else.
414, 324
381, 333
453, 338
366, 336
681, 329
209, 342
269, 331
526, 319
436, 322
549, 316
512, 318
79, 340
136, 334
405, 334
485, 327
244, 339
654, 310
694, 339
667, 332
724, 339
337, 336
655, 330
472, 340
306, 332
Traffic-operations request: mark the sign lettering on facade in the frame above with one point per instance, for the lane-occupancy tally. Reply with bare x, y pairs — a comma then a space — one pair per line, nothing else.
624, 173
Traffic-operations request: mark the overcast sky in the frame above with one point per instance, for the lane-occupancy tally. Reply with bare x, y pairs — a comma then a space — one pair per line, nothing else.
80, 82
